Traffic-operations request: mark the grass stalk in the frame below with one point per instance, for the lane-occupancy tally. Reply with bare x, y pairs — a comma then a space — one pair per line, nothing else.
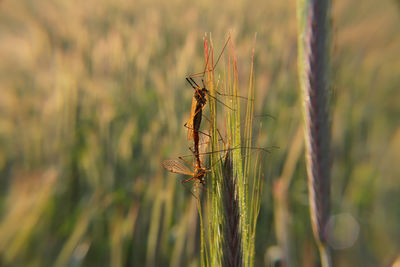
282, 214
214, 193
232, 208
203, 245
313, 65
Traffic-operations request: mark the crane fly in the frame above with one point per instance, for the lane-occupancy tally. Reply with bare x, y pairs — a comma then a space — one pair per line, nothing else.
193, 124
199, 102
200, 94
178, 167
198, 174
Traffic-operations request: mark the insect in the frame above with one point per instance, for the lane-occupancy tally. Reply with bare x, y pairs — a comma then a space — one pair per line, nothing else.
176, 166
200, 97
199, 171
193, 125
198, 174
199, 102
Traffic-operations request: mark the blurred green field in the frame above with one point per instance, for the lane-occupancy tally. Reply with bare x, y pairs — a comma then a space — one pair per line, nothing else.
93, 98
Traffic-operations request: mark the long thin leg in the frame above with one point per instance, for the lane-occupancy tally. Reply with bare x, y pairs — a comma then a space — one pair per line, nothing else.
221, 94
190, 128
221, 52
208, 56
242, 97
181, 158
233, 148
190, 190
219, 133
222, 103
190, 179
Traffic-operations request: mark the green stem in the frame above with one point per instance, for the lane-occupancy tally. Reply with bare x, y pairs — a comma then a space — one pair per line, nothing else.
325, 255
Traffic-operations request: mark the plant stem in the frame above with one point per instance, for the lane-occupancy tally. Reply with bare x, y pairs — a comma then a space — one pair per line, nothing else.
314, 71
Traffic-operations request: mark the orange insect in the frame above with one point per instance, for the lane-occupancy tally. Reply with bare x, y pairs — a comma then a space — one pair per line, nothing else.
196, 113
199, 102
176, 166
198, 174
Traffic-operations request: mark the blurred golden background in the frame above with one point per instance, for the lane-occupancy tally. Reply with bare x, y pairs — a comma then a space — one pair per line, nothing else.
93, 98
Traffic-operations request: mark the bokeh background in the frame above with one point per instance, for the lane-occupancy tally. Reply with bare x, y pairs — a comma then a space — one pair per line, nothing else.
93, 98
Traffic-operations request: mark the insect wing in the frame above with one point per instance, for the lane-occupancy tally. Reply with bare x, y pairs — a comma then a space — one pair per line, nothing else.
190, 122
176, 167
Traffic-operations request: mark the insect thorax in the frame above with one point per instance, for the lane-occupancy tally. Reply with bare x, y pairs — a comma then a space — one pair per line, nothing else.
201, 96
200, 175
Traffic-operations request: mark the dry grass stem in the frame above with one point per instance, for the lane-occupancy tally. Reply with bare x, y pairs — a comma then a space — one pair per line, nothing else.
313, 65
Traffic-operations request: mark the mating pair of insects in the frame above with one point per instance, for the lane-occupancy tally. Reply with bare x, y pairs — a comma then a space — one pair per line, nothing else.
199, 101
